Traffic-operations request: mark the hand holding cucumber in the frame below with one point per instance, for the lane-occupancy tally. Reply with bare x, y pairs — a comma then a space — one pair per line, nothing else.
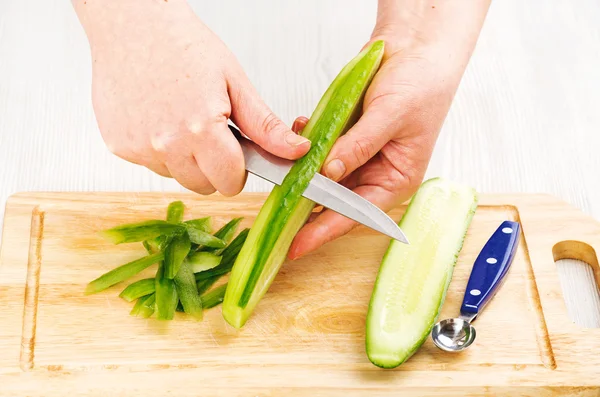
384, 156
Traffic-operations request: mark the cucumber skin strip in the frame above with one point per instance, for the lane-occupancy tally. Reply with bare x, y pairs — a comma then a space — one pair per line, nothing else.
285, 211
135, 232
175, 212
202, 261
175, 254
214, 297
185, 283
138, 289
205, 285
203, 224
148, 307
227, 259
225, 234
166, 295
138, 304
204, 239
144, 307
122, 273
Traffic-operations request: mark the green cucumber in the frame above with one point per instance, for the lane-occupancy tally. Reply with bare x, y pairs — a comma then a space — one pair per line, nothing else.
203, 224
413, 279
144, 306
148, 307
166, 295
225, 234
122, 273
202, 261
175, 254
227, 259
175, 212
214, 297
187, 291
202, 238
141, 231
138, 289
285, 210
204, 285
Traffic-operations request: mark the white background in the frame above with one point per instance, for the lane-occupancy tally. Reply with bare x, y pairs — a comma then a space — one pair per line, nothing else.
526, 117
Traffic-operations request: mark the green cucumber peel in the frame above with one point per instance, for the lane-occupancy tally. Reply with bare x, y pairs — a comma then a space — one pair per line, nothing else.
122, 273
202, 261
175, 212
144, 307
204, 285
214, 296
188, 292
138, 289
175, 254
202, 224
225, 234
166, 295
204, 239
227, 259
136, 232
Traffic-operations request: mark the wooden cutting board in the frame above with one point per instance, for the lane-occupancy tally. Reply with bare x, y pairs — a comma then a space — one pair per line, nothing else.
307, 336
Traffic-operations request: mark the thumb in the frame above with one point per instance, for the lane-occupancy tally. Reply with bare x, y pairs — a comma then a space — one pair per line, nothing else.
257, 121
363, 141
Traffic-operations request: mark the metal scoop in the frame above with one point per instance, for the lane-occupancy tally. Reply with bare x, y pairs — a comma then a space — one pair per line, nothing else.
491, 265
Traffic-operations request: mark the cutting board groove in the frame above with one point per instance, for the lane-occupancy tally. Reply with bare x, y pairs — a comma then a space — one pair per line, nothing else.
307, 336
543, 337
32, 287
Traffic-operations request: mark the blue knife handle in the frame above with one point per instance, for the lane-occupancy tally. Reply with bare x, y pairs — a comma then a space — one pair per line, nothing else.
490, 267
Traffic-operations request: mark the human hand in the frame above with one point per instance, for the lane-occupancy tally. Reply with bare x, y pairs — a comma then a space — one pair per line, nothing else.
163, 89
385, 155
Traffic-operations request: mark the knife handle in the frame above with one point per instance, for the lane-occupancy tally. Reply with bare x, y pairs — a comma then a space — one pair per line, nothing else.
490, 267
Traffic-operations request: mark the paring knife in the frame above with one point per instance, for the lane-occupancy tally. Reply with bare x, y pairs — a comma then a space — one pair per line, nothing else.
321, 190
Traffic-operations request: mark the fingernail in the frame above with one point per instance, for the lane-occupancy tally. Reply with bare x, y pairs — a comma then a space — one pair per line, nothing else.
295, 140
335, 169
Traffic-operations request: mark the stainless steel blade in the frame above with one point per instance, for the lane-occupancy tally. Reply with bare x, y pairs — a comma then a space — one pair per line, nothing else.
321, 190
344, 201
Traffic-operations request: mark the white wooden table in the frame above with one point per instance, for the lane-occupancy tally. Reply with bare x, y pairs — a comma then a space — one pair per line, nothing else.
526, 117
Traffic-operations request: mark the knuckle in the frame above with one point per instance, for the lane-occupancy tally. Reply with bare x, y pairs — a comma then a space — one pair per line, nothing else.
202, 125
162, 140
271, 124
363, 150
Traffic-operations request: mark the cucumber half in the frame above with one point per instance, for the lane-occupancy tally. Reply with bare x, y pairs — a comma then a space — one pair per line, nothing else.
285, 210
413, 279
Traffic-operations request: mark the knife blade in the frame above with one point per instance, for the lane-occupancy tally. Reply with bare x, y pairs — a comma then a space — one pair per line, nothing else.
321, 189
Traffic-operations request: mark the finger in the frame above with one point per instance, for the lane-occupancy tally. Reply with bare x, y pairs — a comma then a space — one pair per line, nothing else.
299, 124
359, 144
185, 170
150, 162
160, 169
329, 225
255, 119
219, 157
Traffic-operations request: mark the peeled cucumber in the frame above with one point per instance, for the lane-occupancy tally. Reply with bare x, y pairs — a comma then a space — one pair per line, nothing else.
285, 210
413, 279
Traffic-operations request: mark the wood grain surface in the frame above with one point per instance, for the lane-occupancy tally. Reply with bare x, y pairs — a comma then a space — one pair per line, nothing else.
525, 117
306, 337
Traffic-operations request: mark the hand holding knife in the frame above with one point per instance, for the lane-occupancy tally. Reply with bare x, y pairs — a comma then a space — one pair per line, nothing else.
321, 190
